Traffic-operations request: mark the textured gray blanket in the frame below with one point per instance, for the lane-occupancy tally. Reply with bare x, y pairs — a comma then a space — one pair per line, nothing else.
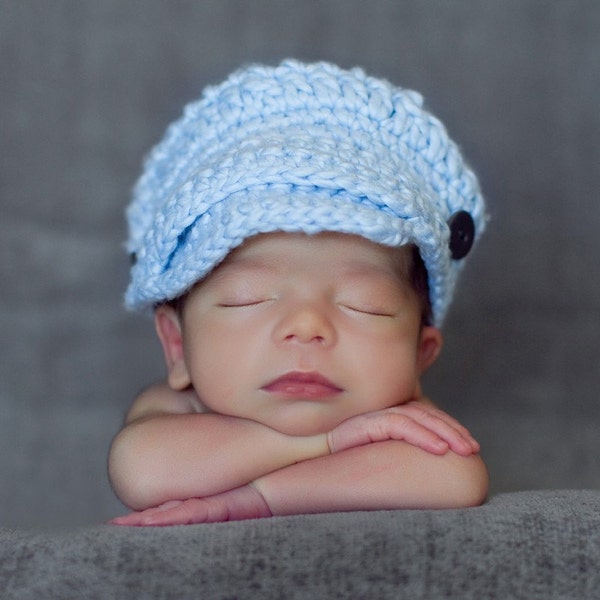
530, 545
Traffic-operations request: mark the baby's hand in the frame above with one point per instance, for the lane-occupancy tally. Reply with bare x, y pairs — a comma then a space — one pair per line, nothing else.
245, 502
417, 422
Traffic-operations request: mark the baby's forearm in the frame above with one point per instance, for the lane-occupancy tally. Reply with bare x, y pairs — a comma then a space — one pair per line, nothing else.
170, 457
385, 475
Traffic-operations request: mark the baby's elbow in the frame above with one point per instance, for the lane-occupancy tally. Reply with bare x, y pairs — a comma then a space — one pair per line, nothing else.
468, 482
128, 475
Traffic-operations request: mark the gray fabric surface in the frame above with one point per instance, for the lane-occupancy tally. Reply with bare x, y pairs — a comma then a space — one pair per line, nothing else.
531, 545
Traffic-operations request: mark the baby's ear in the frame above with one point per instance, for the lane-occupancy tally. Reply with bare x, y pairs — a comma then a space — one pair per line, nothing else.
430, 346
168, 328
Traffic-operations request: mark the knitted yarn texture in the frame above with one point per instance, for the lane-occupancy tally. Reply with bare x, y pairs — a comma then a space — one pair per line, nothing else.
297, 148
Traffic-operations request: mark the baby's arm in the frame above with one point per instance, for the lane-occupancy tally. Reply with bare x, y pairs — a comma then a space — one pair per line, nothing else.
337, 476
385, 475
392, 473
168, 451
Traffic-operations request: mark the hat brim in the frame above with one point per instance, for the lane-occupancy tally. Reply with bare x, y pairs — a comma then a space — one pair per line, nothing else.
208, 230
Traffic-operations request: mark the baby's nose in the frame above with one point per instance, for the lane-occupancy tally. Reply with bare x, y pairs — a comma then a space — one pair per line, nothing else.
306, 323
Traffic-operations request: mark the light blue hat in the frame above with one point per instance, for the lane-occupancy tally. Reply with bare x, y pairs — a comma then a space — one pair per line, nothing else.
300, 148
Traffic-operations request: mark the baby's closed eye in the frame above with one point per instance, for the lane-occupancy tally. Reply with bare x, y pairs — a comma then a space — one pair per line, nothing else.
241, 293
367, 309
244, 301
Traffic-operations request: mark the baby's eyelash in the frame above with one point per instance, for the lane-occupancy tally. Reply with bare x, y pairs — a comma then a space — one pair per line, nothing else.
368, 311
242, 303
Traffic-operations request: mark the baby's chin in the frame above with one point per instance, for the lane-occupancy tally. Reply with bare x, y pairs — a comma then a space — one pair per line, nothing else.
304, 421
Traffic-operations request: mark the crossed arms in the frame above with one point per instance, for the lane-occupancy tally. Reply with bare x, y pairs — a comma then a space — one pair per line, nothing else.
172, 465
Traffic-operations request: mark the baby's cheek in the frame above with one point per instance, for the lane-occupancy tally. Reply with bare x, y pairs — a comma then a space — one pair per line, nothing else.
209, 376
396, 379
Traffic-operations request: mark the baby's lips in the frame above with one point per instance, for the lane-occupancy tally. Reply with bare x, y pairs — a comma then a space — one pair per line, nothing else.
299, 383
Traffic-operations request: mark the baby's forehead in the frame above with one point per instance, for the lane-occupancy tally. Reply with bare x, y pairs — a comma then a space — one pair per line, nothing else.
347, 254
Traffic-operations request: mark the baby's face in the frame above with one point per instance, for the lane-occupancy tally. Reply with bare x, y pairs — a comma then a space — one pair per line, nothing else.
302, 332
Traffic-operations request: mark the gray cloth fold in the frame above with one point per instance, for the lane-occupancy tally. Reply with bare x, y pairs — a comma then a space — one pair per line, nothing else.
530, 545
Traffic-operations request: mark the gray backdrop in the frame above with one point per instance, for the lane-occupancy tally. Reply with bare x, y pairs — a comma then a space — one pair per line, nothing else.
88, 86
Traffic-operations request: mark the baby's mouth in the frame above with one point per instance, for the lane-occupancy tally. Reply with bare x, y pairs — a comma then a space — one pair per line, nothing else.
298, 384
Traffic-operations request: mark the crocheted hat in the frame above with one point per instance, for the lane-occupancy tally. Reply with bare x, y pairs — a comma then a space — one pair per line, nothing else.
300, 148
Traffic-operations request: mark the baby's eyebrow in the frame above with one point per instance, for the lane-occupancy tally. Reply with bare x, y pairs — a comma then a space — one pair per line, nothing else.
376, 279
367, 271
242, 268
355, 271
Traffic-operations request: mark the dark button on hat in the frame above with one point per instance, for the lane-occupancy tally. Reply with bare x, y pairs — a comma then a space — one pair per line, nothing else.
462, 234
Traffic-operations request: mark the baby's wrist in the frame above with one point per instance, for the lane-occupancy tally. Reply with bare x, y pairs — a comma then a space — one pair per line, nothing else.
330, 442
315, 446
259, 502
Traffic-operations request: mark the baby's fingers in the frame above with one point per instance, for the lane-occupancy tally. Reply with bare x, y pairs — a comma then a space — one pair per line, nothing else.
245, 502
175, 512
417, 423
456, 436
401, 427
187, 512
